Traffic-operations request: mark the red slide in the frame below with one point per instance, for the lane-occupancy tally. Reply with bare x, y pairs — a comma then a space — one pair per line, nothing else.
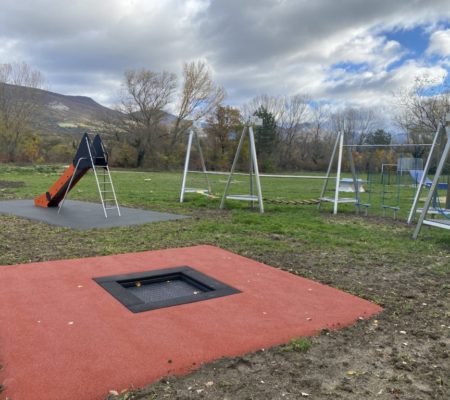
88, 153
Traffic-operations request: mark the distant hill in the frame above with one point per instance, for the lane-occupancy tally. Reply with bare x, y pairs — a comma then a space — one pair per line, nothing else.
60, 114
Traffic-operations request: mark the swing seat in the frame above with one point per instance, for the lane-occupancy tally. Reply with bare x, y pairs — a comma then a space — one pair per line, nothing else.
195, 190
243, 197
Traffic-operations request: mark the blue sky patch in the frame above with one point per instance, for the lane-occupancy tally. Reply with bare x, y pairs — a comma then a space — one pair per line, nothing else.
415, 40
351, 67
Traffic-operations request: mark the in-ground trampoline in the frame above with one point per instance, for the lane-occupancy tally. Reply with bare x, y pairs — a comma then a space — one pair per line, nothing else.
82, 215
75, 329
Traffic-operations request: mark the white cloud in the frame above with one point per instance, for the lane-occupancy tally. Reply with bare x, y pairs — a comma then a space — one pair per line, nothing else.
375, 51
404, 76
376, 89
253, 46
440, 43
7, 50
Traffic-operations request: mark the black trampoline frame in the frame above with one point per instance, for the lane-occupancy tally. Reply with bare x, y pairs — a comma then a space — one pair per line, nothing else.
206, 287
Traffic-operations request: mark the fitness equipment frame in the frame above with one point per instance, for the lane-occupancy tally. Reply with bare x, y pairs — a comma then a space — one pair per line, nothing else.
193, 136
253, 169
422, 219
336, 200
439, 132
339, 149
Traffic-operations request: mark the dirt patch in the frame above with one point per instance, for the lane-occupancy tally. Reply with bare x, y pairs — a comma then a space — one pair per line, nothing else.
11, 184
402, 354
7, 189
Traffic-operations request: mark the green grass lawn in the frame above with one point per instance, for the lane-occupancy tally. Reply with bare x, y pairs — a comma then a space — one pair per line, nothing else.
283, 228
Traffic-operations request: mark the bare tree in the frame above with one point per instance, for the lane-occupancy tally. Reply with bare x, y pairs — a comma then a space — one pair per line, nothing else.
421, 108
147, 94
21, 74
16, 104
292, 125
318, 143
274, 105
199, 96
291, 115
356, 123
144, 99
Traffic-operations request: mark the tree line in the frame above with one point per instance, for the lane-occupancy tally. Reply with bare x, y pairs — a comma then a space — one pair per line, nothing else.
17, 139
157, 109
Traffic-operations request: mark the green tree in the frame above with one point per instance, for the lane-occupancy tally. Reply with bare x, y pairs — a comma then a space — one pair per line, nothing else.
380, 136
31, 148
266, 139
125, 156
60, 152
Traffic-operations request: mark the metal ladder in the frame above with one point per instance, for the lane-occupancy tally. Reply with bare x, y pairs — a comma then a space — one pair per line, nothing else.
107, 192
108, 203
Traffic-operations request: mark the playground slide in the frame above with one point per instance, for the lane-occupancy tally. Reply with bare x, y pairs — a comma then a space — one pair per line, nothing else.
55, 194
417, 174
76, 170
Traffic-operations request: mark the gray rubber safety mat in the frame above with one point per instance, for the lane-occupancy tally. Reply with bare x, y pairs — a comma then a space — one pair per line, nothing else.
83, 215
160, 291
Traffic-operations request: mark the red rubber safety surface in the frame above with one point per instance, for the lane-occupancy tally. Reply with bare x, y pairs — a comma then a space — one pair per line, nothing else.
63, 337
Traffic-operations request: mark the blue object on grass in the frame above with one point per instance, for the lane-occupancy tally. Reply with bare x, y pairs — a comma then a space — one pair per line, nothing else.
417, 174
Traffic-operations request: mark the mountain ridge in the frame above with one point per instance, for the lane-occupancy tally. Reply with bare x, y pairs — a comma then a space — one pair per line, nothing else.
56, 113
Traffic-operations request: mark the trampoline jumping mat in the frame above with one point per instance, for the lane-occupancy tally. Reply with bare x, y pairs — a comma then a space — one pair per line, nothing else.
83, 215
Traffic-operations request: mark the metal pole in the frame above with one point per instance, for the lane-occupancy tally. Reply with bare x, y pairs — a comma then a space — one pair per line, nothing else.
330, 165
255, 166
261, 175
338, 175
390, 145
236, 157
251, 177
437, 175
113, 190
202, 160
423, 177
186, 165
354, 177
96, 178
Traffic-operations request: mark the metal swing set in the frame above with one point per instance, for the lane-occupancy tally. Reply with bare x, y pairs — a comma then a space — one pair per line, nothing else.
443, 133
254, 176
390, 198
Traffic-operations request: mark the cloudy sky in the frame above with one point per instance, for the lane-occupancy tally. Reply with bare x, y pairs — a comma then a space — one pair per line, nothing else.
353, 52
